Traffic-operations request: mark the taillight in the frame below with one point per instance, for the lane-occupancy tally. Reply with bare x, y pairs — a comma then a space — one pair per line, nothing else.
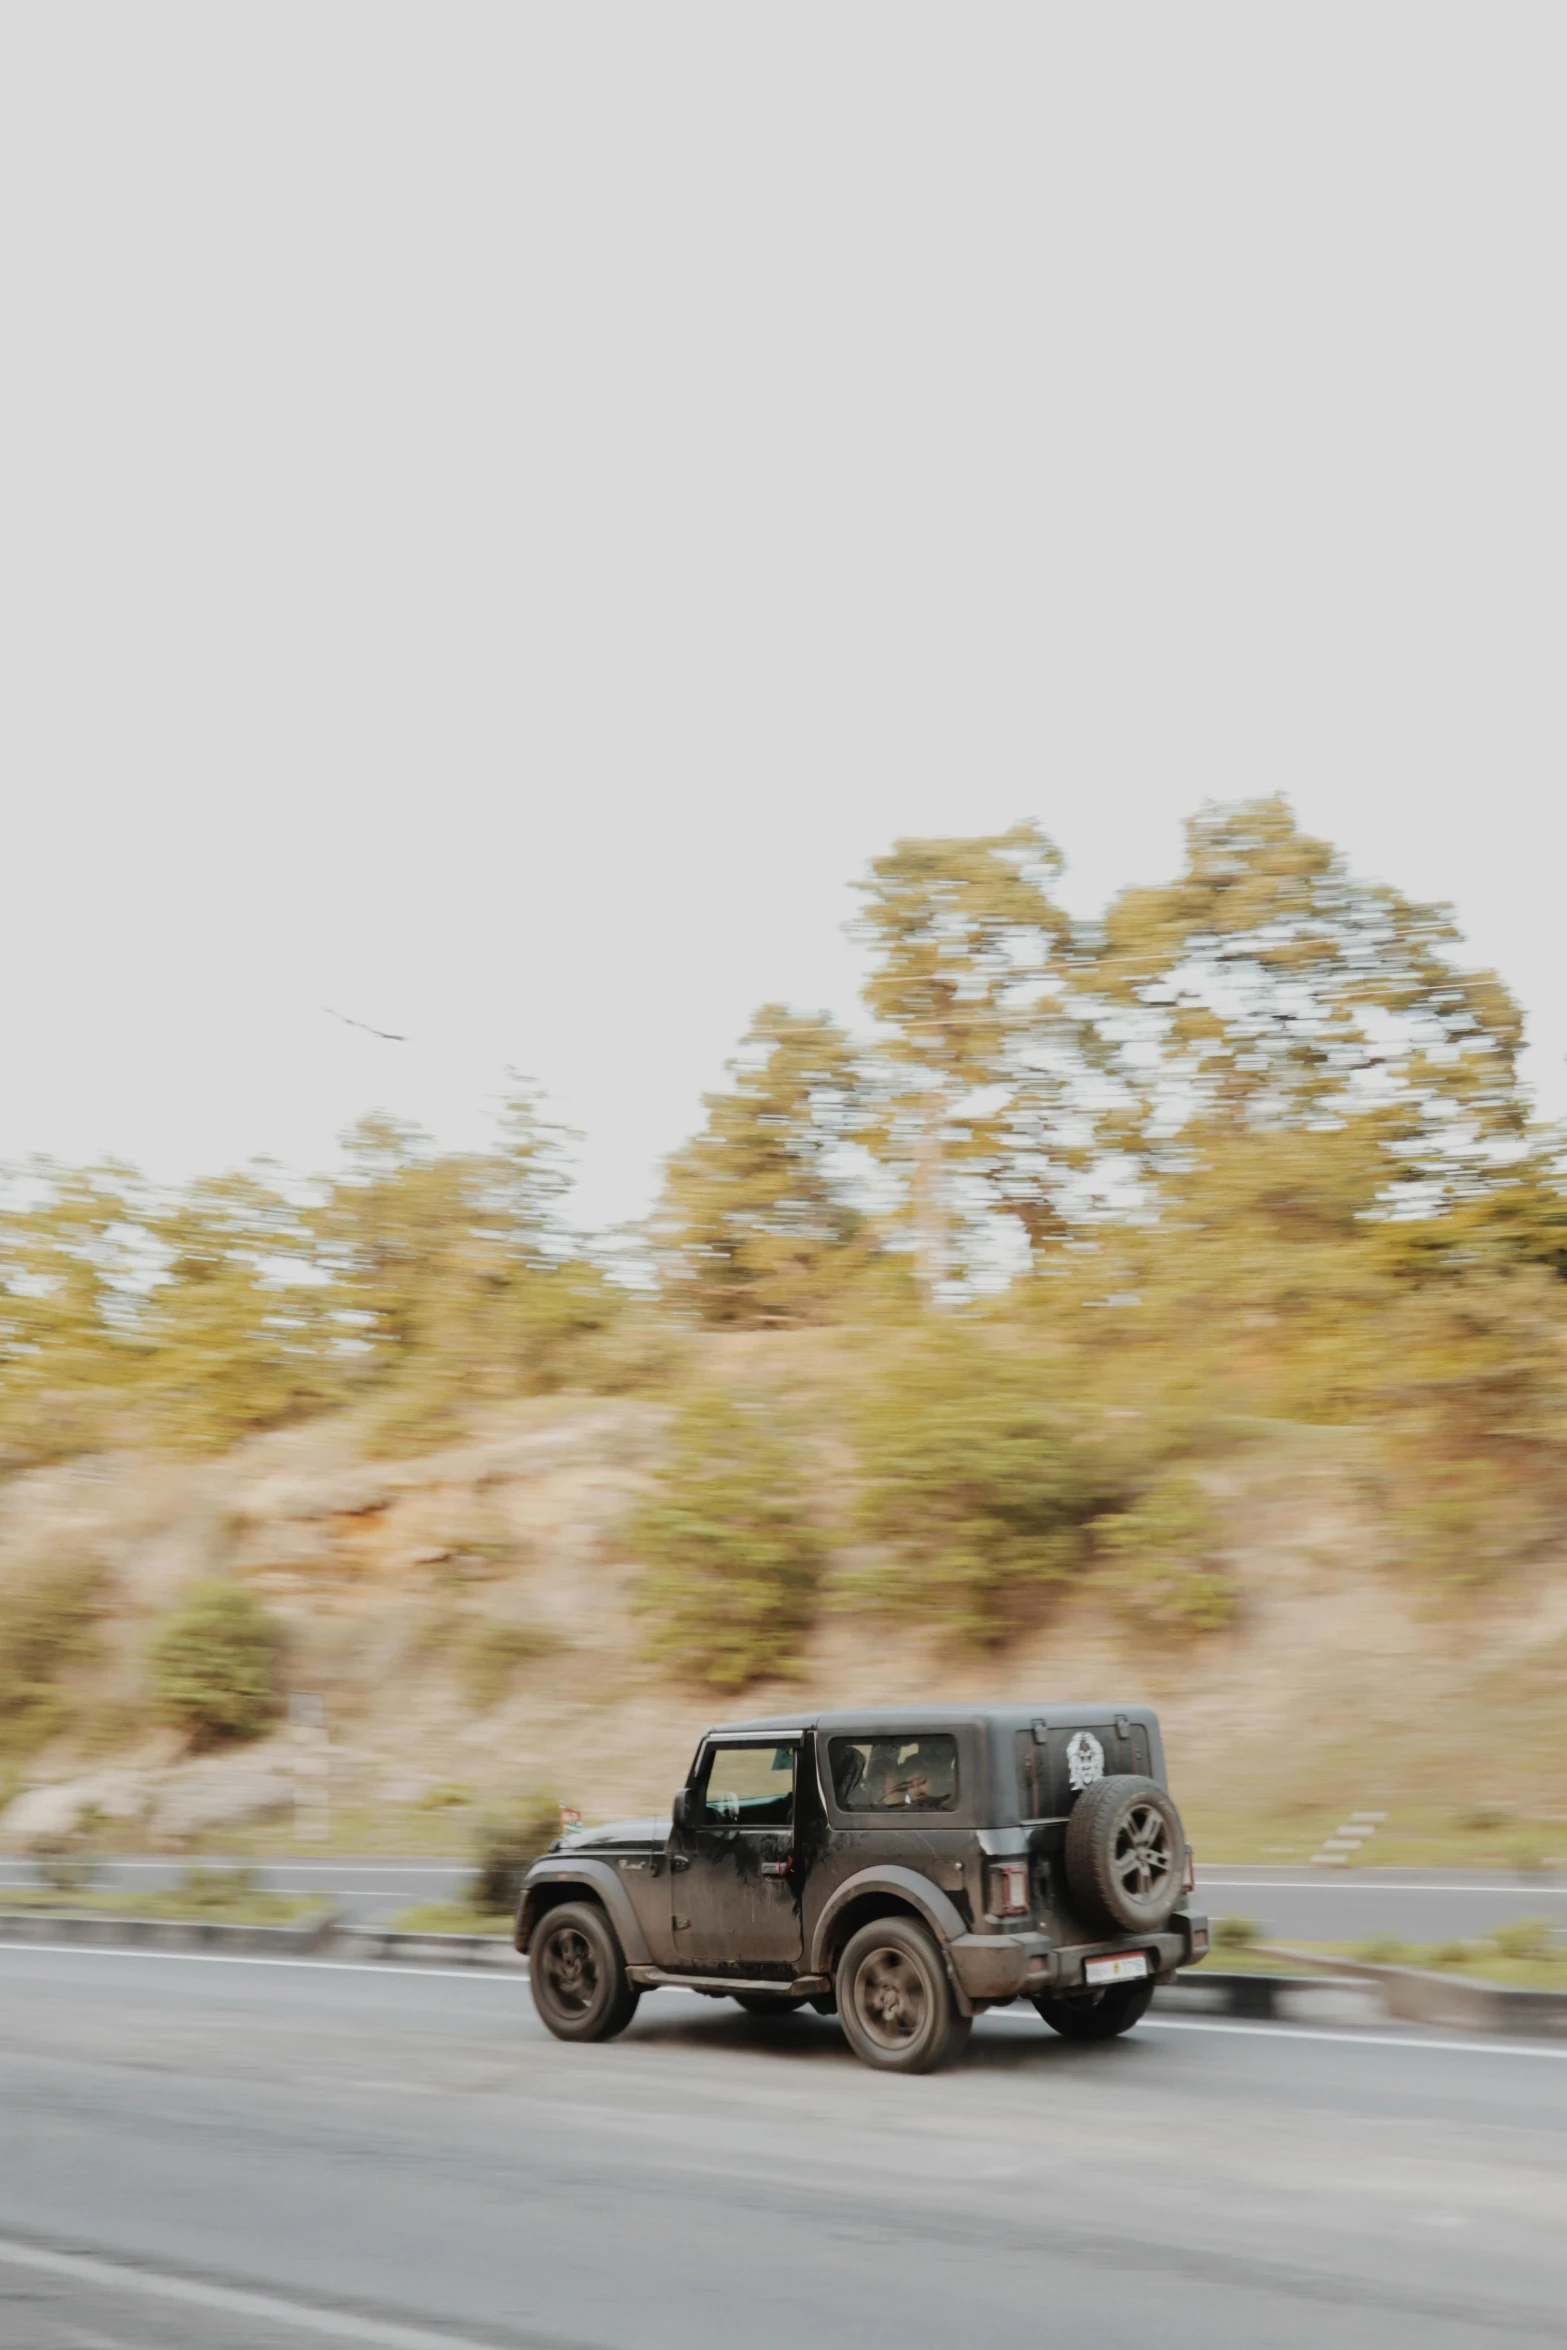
1009, 1889
1189, 1881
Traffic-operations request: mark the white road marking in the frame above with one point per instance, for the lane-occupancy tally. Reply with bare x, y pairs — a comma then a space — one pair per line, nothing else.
1552, 1892
1353, 2039
338, 2324
391, 1969
387, 1968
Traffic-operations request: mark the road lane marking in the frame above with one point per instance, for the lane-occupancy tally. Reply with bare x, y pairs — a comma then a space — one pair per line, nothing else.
235, 2301
390, 1970
1553, 1892
1360, 2038
387, 1968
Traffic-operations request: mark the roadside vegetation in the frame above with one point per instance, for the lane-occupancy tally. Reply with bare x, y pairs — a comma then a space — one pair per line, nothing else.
216, 1896
1528, 1954
1013, 1283
506, 1844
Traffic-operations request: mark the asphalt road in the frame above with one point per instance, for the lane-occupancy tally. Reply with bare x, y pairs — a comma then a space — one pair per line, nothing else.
1299, 1904
228, 2154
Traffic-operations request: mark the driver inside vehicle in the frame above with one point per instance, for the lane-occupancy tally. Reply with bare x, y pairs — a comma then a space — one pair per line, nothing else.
903, 1776
896, 1773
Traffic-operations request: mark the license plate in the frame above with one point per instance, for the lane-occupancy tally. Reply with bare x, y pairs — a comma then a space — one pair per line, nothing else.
1125, 1969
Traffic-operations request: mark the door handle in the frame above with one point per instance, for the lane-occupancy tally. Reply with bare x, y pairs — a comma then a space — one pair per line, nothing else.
680, 1860
776, 1868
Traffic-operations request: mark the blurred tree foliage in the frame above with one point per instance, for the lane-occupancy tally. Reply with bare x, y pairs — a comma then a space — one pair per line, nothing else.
972, 978
731, 1553
415, 1281
1253, 1147
759, 1225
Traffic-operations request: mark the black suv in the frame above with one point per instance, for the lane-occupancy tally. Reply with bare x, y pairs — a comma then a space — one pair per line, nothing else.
903, 1868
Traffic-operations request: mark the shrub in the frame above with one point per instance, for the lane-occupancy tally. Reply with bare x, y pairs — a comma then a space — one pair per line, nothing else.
506, 1846
1447, 1954
65, 1868
217, 1665
1382, 1950
1525, 1938
493, 1652
446, 1797
1235, 1933
1162, 1557
47, 1623
732, 1560
982, 1478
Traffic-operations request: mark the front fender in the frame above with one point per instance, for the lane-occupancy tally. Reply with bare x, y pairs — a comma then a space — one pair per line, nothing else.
594, 1876
943, 1917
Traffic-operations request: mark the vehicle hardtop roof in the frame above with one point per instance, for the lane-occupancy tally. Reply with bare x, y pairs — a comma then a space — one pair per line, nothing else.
929, 1717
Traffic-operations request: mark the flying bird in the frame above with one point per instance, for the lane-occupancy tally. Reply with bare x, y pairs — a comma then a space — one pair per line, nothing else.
387, 1035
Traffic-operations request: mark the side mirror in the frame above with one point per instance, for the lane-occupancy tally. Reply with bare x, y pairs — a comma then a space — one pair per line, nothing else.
680, 1809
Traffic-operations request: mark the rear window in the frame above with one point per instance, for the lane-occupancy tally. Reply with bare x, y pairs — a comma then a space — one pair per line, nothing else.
895, 1774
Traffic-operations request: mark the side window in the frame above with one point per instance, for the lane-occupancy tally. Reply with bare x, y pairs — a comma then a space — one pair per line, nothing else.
895, 1774
749, 1787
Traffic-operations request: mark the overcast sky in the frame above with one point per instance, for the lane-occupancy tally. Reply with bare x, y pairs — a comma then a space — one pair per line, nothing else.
505, 509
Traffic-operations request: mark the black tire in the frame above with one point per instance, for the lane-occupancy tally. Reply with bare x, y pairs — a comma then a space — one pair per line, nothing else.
894, 2000
1096, 2015
578, 1976
1125, 1855
768, 2003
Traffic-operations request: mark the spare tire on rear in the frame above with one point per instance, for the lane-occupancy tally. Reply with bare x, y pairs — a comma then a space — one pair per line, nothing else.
1125, 1855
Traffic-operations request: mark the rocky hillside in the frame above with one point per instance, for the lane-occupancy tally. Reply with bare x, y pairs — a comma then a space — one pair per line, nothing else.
468, 1621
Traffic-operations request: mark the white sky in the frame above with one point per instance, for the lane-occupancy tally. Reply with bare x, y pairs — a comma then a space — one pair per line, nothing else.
505, 509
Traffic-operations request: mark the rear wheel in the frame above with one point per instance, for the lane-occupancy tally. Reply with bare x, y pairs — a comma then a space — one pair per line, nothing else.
578, 1976
1095, 2015
768, 2003
894, 2000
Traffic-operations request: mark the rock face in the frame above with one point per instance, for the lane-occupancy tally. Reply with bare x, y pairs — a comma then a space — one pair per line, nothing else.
223, 1791
402, 1583
42, 1814
228, 1791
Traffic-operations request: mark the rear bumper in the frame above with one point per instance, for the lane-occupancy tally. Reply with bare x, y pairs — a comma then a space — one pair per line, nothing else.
1002, 1966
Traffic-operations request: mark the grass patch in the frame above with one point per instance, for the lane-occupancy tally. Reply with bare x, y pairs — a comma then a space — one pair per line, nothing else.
493, 1654
1519, 1957
219, 1897
453, 1917
1411, 1837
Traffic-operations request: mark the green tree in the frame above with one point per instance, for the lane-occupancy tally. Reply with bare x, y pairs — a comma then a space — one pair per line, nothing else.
450, 1276
972, 974
758, 1224
732, 1558
1286, 995
69, 1348
232, 1337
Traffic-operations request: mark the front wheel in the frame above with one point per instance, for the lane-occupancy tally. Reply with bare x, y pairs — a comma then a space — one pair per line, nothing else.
894, 1999
1096, 2015
577, 1974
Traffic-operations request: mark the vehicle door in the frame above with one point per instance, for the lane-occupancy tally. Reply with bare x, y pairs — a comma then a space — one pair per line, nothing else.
732, 1889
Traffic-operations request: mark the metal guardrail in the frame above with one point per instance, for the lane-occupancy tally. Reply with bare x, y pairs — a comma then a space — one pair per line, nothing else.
105, 1929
